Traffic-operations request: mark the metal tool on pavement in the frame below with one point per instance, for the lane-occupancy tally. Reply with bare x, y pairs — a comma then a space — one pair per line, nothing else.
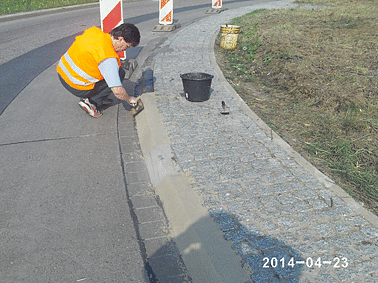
136, 108
225, 109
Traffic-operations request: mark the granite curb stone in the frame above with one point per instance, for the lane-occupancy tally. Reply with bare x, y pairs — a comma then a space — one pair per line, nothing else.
162, 259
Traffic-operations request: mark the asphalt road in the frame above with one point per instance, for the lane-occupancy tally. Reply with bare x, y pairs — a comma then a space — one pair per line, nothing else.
64, 215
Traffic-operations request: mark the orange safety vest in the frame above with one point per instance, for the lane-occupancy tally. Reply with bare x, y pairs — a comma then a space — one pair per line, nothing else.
79, 65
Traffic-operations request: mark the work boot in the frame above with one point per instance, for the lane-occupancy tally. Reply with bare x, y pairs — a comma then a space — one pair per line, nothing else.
90, 108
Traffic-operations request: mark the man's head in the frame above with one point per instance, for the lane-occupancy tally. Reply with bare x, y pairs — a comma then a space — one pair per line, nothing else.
129, 33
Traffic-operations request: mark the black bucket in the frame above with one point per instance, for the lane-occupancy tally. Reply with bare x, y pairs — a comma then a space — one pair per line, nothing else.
197, 86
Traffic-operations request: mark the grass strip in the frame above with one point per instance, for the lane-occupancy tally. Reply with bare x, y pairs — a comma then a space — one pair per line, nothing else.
311, 74
15, 6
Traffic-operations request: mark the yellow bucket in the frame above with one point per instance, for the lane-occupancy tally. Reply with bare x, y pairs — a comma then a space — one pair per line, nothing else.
229, 36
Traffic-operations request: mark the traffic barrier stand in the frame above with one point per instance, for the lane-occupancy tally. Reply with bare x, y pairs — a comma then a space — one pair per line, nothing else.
166, 17
216, 7
111, 12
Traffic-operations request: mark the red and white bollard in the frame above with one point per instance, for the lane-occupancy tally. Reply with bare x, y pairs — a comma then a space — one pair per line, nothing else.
165, 12
216, 7
111, 12
166, 17
216, 4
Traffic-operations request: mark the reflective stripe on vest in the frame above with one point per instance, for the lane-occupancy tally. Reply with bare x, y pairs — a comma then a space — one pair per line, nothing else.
79, 66
90, 80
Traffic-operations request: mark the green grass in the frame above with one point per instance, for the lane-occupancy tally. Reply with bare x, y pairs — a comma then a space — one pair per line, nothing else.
15, 6
312, 75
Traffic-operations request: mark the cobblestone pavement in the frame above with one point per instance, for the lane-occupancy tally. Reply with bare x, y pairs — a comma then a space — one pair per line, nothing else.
284, 224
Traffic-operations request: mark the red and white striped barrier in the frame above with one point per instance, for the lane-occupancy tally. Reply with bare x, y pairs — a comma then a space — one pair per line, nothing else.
216, 4
111, 12
165, 12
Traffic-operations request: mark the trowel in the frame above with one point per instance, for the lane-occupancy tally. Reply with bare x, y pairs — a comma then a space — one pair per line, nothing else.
225, 109
136, 108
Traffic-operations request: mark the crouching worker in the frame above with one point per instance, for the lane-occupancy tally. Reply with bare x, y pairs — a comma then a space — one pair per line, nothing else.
90, 69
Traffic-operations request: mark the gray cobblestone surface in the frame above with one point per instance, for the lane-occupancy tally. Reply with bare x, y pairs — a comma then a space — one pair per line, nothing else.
266, 204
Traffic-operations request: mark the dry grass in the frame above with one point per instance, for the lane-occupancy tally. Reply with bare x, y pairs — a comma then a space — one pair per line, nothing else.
311, 74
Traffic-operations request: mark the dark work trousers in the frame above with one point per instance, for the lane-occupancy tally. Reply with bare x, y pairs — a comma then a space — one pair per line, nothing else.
98, 94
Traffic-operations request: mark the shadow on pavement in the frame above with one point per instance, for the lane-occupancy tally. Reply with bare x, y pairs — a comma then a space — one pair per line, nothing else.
265, 258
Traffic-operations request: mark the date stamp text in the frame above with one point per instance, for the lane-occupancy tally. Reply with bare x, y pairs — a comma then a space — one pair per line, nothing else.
309, 262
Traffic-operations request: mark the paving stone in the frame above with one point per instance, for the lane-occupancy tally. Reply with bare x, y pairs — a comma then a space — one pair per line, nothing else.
269, 201
140, 189
350, 254
298, 171
364, 267
287, 198
372, 279
278, 178
257, 163
302, 206
255, 262
288, 238
142, 201
287, 222
237, 207
160, 246
374, 261
254, 190
258, 190
231, 196
346, 274
317, 203
269, 212
289, 163
369, 231
321, 247
325, 230
270, 227
246, 217
251, 174
282, 187
367, 249
202, 191
266, 243
357, 221
325, 277
295, 185
166, 266
309, 234
252, 230
305, 194
217, 212
356, 237
343, 211
326, 215
253, 204
149, 214
236, 236
153, 230
375, 241
211, 201
286, 208
342, 227
244, 248
305, 250
327, 194
340, 241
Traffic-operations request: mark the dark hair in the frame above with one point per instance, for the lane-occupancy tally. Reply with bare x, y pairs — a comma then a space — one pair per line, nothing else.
129, 32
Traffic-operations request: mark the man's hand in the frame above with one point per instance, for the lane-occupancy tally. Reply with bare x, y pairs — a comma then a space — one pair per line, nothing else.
120, 93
